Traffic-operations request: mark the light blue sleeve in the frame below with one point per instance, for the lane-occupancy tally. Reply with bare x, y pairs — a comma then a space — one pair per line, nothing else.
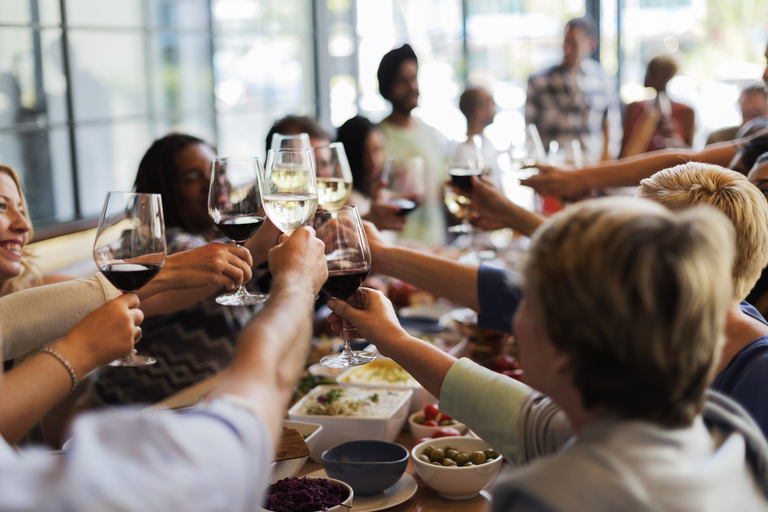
488, 402
216, 458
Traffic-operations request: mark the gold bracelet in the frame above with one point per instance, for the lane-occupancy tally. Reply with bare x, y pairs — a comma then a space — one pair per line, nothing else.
72, 374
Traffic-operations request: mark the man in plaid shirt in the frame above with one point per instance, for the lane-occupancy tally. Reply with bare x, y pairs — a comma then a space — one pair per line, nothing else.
576, 99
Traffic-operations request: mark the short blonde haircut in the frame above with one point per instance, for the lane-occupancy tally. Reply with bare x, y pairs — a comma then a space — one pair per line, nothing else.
637, 295
696, 183
30, 274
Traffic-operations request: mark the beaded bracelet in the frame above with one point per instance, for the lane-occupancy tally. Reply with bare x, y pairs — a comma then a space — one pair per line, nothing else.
49, 350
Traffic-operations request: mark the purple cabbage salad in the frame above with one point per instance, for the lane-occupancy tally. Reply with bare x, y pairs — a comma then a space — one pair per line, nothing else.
304, 495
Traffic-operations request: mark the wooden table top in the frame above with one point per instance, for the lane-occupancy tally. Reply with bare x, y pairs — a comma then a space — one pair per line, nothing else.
424, 500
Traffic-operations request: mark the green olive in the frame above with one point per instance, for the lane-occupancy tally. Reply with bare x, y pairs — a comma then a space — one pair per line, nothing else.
451, 453
449, 448
436, 463
445, 423
468, 464
438, 455
490, 454
424, 458
477, 458
461, 459
419, 419
449, 462
428, 450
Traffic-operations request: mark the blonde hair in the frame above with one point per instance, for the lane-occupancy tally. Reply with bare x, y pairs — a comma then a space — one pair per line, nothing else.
637, 296
30, 274
696, 183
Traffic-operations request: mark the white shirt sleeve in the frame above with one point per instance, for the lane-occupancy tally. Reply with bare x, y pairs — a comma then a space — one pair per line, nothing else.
213, 459
35, 317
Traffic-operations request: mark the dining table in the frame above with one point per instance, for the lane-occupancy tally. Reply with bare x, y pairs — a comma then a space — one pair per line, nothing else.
423, 500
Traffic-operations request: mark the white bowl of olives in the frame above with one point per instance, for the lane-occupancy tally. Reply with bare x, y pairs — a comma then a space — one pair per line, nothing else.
458, 468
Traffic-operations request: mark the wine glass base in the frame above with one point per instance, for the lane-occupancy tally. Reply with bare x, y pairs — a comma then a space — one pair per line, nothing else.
134, 360
238, 299
346, 359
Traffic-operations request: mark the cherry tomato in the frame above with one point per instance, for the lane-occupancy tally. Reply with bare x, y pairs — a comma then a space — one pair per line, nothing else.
429, 423
446, 432
444, 417
419, 441
431, 411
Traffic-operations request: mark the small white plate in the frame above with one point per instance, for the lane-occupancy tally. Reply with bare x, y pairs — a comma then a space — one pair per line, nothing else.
399, 493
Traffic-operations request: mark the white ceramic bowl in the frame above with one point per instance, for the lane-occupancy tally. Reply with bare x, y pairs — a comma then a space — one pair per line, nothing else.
344, 506
456, 483
290, 468
383, 426
369, 375
418, 431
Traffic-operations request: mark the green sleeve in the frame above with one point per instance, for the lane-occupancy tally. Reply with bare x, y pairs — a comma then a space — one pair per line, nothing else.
487, 402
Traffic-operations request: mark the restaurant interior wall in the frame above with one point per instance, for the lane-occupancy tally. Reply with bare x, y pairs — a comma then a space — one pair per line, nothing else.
86, 85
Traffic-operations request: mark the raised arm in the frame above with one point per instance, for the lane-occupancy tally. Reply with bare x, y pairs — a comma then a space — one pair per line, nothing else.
440, 276
555, 181
273, 347
31, 389
494, 210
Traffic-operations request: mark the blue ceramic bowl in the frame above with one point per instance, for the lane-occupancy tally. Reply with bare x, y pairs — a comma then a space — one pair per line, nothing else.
369, 467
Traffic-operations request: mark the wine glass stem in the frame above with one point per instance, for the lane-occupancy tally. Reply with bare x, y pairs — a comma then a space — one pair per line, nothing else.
347, 352
241, 291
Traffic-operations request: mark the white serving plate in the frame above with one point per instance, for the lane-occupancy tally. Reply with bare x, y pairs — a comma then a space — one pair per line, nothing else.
340, 429
420, 395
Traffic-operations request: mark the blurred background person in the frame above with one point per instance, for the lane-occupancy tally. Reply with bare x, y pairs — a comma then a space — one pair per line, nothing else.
364, 145
294, 125
576, 99
408, 136
753, 103
478, 107
658, 123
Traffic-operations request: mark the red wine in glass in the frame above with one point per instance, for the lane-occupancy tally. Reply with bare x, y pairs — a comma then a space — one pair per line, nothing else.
235, 206
349, 262
239, 229
130, 246
343, 283
462, 178
129, 277
406, 205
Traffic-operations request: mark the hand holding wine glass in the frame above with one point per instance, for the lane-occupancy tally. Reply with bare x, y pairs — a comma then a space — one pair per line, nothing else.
349, 262
405, 182
234, 204
130, 247
290, 188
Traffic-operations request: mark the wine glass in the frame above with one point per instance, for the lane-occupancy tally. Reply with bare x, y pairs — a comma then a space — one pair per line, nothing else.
334, 177
464, 161
130, 246
234, 204
298, 140
405, 181
289, 188
349, 262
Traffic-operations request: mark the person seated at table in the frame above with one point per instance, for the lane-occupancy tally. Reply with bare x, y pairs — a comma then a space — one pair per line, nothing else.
618, 416
364, 145
295, 125
741, 372
197, 341
213, 458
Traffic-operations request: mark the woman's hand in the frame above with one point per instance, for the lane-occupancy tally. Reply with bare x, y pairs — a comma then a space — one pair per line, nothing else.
372, 315
104, 335
213, 264
554, 181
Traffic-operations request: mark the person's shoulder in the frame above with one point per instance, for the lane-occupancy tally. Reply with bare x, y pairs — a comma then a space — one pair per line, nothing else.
723, 134
180, 240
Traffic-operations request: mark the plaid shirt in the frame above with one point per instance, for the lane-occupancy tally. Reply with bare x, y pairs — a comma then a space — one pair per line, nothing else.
566, 106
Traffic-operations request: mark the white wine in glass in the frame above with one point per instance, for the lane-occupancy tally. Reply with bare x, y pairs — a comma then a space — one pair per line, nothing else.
130, 247
334, 176
289, 188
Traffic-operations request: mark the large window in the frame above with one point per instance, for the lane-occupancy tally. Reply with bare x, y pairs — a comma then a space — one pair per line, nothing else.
86, 85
